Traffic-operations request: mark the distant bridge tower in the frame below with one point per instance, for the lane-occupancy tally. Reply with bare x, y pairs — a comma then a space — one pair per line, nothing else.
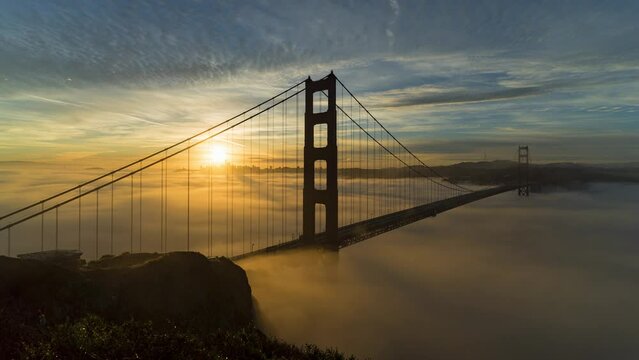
313, 154
522, 171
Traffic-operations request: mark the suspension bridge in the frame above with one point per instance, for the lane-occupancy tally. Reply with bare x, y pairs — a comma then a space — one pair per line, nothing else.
309, 166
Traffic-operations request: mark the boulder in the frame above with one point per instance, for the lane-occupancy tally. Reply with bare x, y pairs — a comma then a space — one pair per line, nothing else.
184, 287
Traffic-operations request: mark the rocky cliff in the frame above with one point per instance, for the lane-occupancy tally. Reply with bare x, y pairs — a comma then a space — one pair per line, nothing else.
181, 287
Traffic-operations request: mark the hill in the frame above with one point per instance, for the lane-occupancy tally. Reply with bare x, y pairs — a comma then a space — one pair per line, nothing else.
543, 175
177, 305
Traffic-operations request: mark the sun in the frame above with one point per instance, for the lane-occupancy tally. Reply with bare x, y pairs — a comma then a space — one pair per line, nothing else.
218, 154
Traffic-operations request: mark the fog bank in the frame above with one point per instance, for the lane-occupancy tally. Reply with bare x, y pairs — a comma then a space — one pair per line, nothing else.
552, 276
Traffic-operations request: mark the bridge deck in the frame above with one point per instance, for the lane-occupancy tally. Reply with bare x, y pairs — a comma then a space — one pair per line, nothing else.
357, 232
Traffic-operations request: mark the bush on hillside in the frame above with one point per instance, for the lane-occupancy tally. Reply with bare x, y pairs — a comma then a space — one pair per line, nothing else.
95, 338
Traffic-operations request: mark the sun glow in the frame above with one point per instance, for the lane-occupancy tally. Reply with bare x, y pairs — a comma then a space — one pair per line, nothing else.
218, 154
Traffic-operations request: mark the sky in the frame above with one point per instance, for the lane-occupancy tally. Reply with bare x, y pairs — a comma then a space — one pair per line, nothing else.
456, 80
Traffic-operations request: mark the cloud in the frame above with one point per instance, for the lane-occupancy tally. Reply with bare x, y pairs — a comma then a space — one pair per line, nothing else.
138, 118
153, 43
394, 5
189, 64
54, 101
462, 96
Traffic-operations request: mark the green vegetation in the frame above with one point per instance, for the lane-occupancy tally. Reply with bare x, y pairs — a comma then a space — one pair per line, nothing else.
143, 306
92, 337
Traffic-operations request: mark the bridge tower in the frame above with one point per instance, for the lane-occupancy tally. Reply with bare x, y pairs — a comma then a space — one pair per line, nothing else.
312, 195
522, 171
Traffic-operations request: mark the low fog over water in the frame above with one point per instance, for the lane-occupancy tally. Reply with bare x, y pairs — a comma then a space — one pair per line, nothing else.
552, 276
250, 208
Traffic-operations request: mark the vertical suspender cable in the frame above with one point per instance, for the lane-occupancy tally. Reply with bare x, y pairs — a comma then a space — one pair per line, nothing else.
251, 160
166, 206
80, 218
42, 227
56, 228
140, 233
232, 202
188, 197
297, 162
243, 188
163, 200
226, 165
111, 214
97, 221
273, 173
359, 165
131, 235
259, 174
162, 207
283, 200
268, 174
209, 203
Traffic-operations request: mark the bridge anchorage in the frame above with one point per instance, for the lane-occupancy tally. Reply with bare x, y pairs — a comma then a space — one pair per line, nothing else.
239, 187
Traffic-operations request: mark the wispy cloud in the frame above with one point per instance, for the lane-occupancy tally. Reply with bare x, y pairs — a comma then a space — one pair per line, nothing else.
134, 117
54, 101
463, 96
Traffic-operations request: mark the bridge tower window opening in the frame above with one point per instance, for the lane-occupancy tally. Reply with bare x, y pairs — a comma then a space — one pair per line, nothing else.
320, 136
320, 175
320, 102
320, 224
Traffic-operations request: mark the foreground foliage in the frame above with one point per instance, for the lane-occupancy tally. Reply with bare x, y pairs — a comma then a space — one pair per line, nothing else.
93, 337
145, 306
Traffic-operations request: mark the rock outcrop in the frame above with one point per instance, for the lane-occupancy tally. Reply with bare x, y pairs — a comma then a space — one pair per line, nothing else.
182, 287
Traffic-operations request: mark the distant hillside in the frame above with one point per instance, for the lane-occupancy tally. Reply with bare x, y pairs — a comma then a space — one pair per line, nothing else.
554, 174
